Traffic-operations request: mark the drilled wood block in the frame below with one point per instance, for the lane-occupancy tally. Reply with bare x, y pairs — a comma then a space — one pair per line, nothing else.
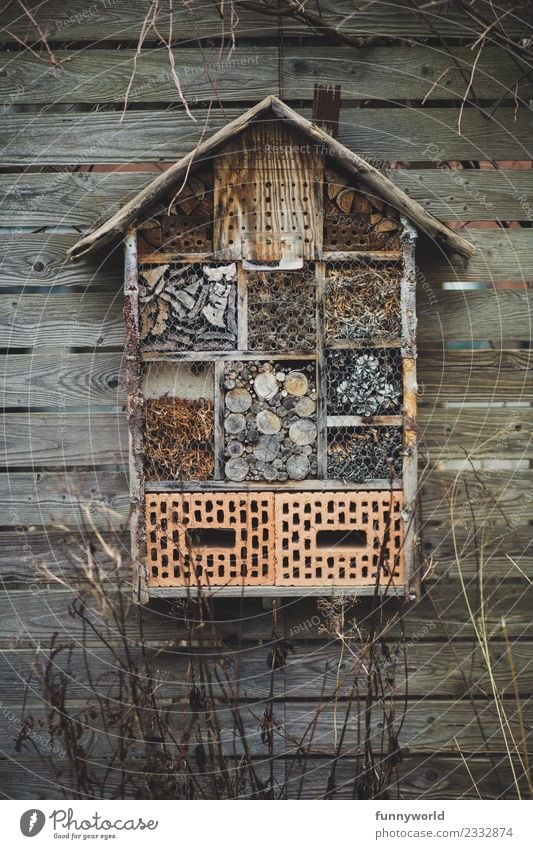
267, 196
339, 539
212, 539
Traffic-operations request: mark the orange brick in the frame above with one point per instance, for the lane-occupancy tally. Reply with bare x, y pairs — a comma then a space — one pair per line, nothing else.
215, 539
339, 538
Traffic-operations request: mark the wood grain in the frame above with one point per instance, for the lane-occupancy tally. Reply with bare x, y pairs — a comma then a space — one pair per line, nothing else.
62, 440
80, 199
70, 380
40, 260
168, 134
389, 73
484, 377
122, 20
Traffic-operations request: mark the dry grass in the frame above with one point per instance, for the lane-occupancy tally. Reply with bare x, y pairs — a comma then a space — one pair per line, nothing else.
178, 439
363, 303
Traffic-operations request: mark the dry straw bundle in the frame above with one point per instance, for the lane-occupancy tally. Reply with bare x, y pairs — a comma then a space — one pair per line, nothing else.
178, 439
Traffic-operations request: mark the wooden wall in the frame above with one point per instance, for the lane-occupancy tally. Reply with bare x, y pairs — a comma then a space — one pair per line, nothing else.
64, 442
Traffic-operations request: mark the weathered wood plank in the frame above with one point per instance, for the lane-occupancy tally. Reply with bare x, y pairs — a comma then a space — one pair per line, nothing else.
41, 260
92, 438
502, 255
81, 199
429, 726
425, 776
438, 726
68, 320
62, 320
72, 380
432, 669
389, 73
115, 20
487, 497
167, 135
474, 375
494, 314
244, 670
452, 433
397, 73
494, 551
122, 19
64, 439
32, 616
422, 777
59, 499
103, 76
23, 554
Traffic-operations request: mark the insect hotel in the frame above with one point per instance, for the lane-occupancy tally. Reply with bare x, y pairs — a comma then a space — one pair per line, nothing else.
271, 365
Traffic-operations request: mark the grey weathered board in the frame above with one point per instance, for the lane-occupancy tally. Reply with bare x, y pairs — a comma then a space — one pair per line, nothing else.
59, 498
81, 199
398, 73
166, 135
122, 20
69, 439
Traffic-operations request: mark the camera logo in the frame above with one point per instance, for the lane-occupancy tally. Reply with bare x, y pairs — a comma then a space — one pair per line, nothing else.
32, 822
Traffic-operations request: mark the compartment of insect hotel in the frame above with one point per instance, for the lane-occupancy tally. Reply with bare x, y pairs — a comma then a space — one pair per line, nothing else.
178, 421
270, 420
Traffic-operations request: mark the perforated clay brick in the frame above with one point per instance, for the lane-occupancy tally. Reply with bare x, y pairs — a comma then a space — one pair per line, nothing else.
212, 539
339, 538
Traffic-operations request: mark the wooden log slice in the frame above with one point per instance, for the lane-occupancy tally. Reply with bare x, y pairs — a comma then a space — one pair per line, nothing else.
268, 422
296, 383
267, 448
238, 400
303, 432
266, 385
234, 423
235, 449
236, 469
269, 472
298, 467
304, 407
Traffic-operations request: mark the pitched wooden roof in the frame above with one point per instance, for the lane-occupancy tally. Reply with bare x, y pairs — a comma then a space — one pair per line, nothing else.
272, 107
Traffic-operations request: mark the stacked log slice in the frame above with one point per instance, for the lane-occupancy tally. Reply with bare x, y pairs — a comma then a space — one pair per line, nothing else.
270, 421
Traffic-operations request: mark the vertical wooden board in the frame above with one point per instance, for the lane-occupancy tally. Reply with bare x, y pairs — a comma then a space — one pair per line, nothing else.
268, 196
